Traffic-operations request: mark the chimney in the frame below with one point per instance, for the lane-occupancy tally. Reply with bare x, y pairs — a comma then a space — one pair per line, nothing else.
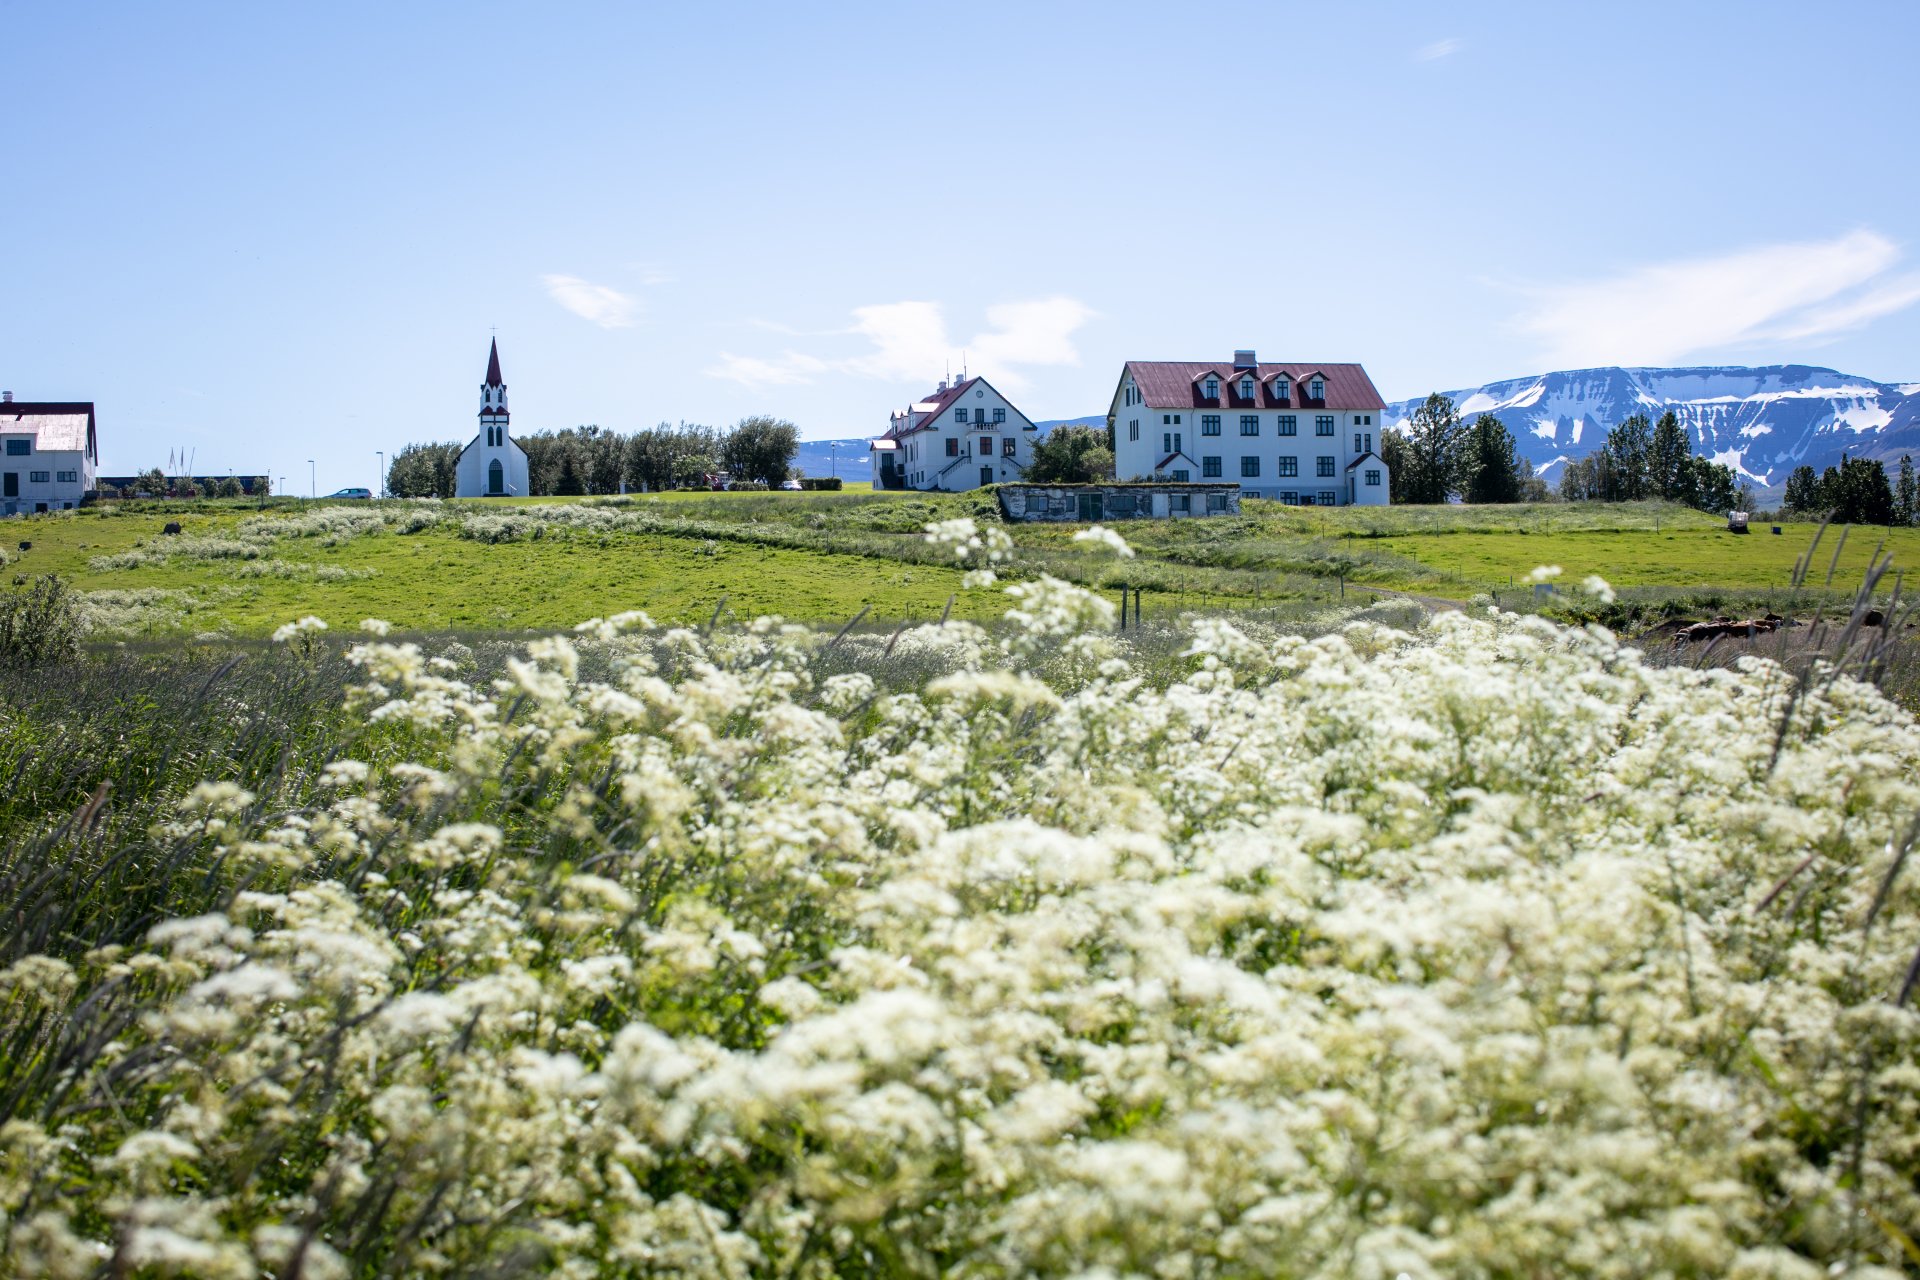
1245, 360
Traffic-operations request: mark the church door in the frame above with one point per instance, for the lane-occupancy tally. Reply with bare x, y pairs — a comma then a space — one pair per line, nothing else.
496, 477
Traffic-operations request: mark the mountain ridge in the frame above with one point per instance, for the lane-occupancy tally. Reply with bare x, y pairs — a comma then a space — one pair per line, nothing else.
1761, 420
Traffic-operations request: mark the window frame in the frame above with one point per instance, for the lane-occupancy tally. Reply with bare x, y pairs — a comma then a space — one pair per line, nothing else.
1209, 424
1289, 467
1323, 424
1289, 424
1210, 467
1250, 466
1249, 424
1324, 467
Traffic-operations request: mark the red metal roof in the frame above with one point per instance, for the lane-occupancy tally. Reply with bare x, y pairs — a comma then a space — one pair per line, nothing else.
493, 365
941, 402
1176, 384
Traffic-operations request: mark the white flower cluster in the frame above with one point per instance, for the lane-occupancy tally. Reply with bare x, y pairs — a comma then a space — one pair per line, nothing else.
1490, 951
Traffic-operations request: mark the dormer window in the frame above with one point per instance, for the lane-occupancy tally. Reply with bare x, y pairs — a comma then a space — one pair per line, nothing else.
1246, 388
1281, 388
1318, 389
1213, 388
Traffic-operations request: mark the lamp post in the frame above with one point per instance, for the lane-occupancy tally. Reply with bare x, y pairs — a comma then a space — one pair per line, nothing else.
380, 490
313, 487
833, 457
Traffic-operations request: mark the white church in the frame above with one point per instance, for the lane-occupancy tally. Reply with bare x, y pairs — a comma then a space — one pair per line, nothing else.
493, 465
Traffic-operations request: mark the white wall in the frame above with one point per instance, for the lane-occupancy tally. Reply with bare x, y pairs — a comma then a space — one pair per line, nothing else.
56, 494
470, 474
928, 465
1135, 459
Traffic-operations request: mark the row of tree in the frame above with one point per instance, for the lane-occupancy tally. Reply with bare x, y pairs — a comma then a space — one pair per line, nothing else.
594, 460
1855, 492
1439, 456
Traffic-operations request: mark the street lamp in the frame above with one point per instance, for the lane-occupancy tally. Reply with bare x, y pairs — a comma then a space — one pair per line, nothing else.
313, 488
380, 490
833, 457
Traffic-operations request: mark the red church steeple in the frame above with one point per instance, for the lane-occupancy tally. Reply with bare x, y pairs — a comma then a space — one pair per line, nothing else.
493, 401
493, 365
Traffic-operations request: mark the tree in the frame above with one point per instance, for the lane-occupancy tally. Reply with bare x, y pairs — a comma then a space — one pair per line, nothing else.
1630, 448
424, 471
1857, 492
227, 487
567, 481
1906, 494
760, 448
1071, 455
1488, 468
1669, 459
1393, 452
1433, 440
152, 482
1712, 484
1803, 495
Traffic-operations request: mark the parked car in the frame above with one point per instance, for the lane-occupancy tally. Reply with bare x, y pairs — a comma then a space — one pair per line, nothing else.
351, 493
790, 484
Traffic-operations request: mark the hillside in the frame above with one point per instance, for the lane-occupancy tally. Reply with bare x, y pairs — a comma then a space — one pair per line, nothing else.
1761, 421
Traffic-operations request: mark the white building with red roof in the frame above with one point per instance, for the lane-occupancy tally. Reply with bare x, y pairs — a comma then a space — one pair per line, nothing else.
48, 454
1302, 434
493, 465
961, 437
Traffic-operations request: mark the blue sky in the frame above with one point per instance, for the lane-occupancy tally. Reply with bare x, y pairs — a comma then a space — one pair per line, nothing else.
269, 233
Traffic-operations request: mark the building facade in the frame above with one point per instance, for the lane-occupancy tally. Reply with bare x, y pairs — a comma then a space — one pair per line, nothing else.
1302, 434
493, 465
961, 437
49, 454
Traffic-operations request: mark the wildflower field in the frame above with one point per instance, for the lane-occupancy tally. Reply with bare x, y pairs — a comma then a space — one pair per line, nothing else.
1473, 945
242, 569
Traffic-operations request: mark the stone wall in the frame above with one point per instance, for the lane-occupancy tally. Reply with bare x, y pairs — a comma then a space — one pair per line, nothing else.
1085, 503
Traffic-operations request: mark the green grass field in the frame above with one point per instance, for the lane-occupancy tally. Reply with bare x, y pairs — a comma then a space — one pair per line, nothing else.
824, 557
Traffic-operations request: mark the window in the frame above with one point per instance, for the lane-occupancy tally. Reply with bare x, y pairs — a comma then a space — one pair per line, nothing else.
960, 414
1180, 504
1369, 440
1249, 468
1290, 497
1170, 419
1323, 425
953, 448
1356, 442
18, 448
1246, 388
1133, 430
1282, 388
1323, 465
1209, 424
986, 446
980, 417
1328, 498
1289, 425
69, 477
1213, 388
1318, 389
1249, 424
999, 415
37, 477
1373, 476
1210, 468
1180, 477
1166, 442
1289, 467
1006, 447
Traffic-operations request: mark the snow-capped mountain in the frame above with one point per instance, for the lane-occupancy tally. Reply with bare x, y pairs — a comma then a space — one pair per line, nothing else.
1763, 422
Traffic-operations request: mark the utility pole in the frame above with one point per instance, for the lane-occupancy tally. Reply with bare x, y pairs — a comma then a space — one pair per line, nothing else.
313, 487
380, 490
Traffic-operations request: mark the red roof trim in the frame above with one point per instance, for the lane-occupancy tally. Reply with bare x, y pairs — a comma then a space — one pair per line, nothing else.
1176, 384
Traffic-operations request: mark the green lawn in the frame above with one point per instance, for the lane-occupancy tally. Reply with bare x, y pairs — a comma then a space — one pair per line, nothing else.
822, 557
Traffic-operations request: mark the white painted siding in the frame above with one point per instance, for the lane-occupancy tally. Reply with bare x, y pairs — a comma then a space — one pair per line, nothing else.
941, 452
68, 473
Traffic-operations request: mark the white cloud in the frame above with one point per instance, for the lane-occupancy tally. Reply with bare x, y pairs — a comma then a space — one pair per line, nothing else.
909, 342
1657, 314
1437, 50
599, 303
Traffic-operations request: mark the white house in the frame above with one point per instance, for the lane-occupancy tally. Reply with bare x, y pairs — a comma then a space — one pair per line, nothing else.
1299, 433
493, 464
960, 437
48, 454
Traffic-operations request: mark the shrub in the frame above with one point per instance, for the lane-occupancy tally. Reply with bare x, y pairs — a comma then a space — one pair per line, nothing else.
707, 952
821, 483
40, 625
